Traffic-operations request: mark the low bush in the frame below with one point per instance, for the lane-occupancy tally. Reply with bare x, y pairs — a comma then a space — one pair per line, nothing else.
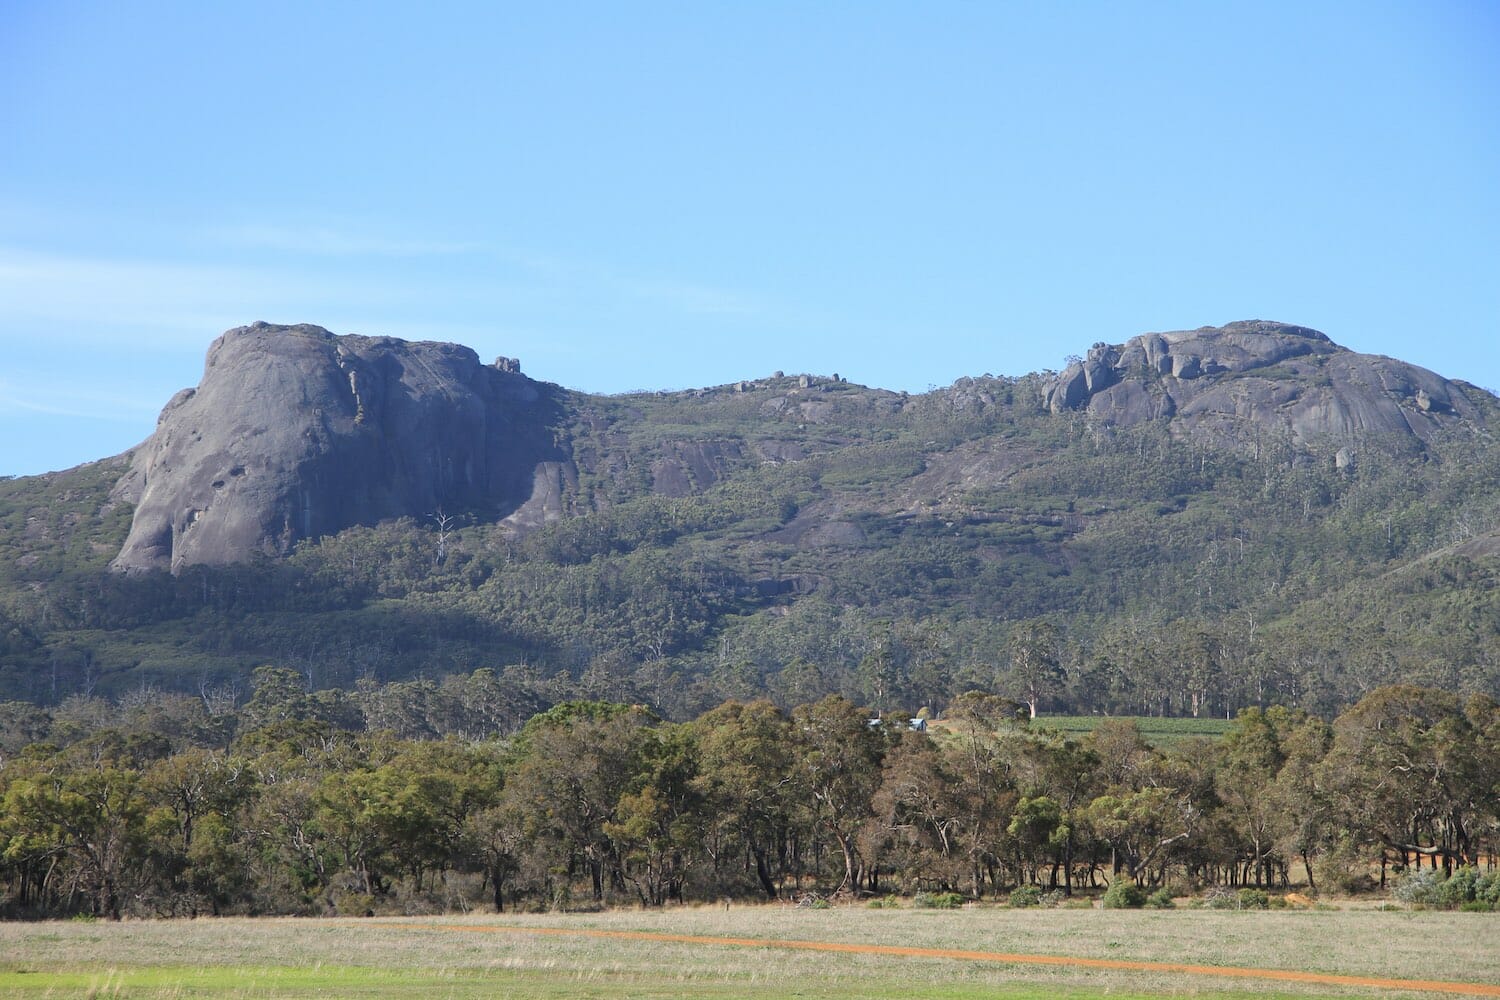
1123, 895
1026, 895
1420, 887
1161, 899
1466, 889
1461, 887
937, 900
1253, 899
1487, 890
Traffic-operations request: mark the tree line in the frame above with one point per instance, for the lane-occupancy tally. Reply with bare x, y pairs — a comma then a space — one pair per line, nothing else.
298, 802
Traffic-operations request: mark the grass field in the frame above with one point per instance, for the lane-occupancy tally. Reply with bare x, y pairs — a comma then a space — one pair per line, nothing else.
1156, 731
470, 957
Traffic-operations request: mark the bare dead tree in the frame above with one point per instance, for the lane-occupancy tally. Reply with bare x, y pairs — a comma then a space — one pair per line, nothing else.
446, 523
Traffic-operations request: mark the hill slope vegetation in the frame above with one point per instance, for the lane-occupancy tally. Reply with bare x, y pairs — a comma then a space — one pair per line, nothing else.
1187, 523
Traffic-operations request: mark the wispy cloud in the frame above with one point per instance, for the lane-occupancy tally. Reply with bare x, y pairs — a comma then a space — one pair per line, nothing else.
66, 289
330, 242
50, 399
87, 298
504, 300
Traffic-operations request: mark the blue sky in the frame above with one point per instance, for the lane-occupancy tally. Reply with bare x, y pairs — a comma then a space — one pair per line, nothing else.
648, 195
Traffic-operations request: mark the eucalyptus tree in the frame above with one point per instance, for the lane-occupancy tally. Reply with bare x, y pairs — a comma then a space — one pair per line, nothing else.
839, 756
920, 815
1035, 670
980, 733
751, 791
1411, 775
573, 764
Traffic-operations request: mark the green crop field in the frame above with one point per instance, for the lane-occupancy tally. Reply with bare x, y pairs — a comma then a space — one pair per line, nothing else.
596, 956
1156, 731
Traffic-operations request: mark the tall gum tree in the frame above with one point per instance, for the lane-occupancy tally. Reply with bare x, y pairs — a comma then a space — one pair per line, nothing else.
840, 760
749, 787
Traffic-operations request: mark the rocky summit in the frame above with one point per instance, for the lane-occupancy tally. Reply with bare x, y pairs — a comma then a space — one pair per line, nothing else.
297, 433
1243, 381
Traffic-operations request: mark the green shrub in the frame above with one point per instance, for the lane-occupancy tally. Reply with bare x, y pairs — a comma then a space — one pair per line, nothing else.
1026, 895
1224, 898
1253, 899
885, 903
1461, 887
358, 904
937, 900
1419, 887
1123, 895
1161, 899
1466, 889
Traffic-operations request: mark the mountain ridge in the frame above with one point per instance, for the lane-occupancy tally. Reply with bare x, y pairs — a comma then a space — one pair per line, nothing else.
789, 535
296, 432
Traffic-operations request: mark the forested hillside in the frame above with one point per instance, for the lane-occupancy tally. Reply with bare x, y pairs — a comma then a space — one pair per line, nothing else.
1051, 538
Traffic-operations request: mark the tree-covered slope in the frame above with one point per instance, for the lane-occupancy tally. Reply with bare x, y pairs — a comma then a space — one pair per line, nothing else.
1282, 527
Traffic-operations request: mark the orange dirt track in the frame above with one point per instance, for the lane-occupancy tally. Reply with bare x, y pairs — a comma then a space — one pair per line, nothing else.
1228, 971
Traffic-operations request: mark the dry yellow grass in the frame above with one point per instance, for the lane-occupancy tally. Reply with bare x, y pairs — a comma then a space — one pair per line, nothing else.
1435, 946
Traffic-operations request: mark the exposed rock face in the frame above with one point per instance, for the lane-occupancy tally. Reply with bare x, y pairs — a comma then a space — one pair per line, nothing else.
1256, 377
295, 433
692, 466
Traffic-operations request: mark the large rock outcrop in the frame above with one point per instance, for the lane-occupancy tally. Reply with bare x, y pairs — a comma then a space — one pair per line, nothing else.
1256, 378
296, 433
